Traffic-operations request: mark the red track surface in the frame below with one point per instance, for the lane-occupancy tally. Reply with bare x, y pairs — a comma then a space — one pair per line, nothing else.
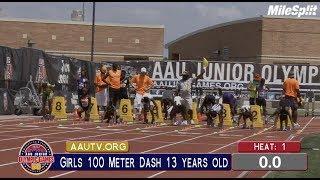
162, 139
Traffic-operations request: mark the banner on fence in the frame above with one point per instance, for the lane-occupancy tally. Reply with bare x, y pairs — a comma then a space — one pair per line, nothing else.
17, 65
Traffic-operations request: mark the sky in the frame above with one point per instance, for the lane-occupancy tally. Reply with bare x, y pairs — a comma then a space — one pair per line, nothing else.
179, 18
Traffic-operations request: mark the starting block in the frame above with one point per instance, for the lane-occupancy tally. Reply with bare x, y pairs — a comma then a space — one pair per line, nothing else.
126, 110
226, 116
257, 119
94, 115
158, 116
59, 108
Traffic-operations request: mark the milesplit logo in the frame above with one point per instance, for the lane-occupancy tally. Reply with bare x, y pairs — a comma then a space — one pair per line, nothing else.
296, 10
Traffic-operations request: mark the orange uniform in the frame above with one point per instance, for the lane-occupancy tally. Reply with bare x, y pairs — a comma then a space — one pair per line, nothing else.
290, 86
114, 79
142, 83
98, 81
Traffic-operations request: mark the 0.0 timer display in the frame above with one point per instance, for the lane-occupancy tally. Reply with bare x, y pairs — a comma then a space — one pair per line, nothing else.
270, 161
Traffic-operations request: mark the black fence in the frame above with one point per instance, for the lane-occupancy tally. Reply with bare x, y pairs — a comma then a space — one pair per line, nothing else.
17, 65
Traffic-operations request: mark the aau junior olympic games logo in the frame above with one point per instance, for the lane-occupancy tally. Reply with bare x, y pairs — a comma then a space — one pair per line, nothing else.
35, 156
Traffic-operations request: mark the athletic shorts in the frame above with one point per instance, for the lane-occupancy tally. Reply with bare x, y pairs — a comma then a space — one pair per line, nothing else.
114, 97
188, 103
261, 102
252, 101
292, 102
231, 100
137, 104
102, 97
167, 102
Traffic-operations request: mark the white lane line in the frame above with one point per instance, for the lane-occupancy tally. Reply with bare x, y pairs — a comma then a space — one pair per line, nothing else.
243, 173
28, 126
65, 127
230, 135
168, 142
63, 132
37, 135
110, 129
59, 175
13, 119
181, 135
21, 126
7, 164
147, 131
179, 142
154, 175
188, 133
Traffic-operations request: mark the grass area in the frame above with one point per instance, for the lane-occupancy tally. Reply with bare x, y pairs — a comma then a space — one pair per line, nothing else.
313, 170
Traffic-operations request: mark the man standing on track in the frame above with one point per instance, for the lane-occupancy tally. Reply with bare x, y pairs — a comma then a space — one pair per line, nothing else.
184, 90
253, 89
167, 101
82, 82
47, 97
142, 84
125, 82
262, 97
113, 79
292, 95
101, 88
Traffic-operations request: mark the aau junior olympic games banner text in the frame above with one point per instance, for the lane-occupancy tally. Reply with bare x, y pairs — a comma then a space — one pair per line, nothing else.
17, 65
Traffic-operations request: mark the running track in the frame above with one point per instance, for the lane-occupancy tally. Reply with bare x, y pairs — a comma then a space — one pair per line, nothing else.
161, 139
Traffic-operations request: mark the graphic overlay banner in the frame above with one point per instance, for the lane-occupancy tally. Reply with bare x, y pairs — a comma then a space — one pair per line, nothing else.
142, 162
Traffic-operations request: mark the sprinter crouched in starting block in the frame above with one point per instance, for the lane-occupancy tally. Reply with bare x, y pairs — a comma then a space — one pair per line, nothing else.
47, 97
245, 113
180, 106
211, 108
282, 114
228, 98
85, 104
